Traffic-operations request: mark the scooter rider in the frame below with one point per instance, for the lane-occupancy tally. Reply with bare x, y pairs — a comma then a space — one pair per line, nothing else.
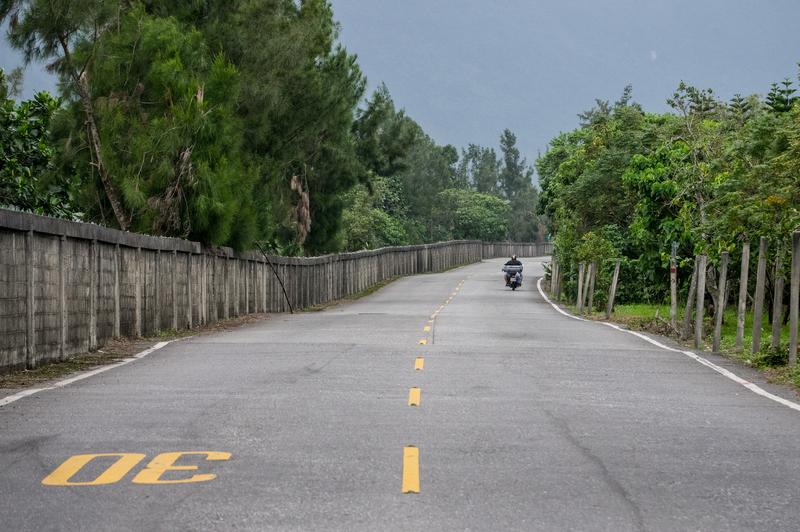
512, 262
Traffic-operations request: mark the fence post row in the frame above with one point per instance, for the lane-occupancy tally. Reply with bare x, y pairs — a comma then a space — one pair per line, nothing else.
673, 286
794, 298
758, 302
722, 299
777, 300
701, 295
612, 292
579, 303
592, 275
687, 315
741, 310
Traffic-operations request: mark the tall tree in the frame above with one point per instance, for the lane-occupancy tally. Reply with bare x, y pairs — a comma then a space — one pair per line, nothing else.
51, 30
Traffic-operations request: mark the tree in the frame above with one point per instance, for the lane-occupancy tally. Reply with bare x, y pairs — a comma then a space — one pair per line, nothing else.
479, 168
26, 157
465, 214
65, 32
515, 176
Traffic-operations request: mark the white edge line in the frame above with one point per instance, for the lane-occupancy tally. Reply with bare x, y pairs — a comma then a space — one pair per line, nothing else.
85, 375
694, 356
558, 309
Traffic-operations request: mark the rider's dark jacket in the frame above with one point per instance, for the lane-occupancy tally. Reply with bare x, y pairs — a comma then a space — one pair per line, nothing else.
513, 262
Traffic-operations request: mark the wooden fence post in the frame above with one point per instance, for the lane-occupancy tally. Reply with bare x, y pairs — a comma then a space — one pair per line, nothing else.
700, 305
758, 303
612, 293
777, 300
722, 299
586, 286
742, 307
673, 286
794, 296
687, 315
579, 303
592, 276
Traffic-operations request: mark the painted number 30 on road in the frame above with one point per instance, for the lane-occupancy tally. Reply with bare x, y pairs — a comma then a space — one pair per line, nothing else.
153, 473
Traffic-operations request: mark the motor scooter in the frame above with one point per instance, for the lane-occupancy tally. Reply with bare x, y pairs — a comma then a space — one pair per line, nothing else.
513, 276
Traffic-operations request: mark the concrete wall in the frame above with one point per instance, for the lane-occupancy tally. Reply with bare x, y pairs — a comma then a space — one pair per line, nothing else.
68, 287
520, 249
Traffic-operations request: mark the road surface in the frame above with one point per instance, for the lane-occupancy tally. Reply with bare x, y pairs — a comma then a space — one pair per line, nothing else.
526, 420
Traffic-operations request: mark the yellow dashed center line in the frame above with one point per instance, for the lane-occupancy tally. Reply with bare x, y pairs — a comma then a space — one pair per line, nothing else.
411, 453
410, 469
414, 396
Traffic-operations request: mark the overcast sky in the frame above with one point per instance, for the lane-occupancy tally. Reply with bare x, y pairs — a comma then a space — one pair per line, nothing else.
466, 69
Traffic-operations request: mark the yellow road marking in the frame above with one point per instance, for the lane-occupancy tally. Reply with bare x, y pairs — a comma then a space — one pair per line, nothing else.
423, 341
165, 462
419, 364
114, 473
410, 469
427, 328
414, 396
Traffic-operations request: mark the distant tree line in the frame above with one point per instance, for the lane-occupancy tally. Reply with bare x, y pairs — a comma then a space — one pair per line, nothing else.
234, 121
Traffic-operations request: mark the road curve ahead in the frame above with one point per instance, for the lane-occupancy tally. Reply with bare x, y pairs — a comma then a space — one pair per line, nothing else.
441, 402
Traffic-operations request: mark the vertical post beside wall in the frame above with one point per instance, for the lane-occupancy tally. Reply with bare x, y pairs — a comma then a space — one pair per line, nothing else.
30, 301
116, 292
722, 299
189, 288
226, 276
174, 282
741, 309
93, 282
758, 303
157, 298
794, 298
62, 297
137, 294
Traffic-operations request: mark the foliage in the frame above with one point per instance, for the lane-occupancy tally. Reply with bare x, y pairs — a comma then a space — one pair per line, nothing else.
465, 215
229, 122
26, 158
706, 176
368, 218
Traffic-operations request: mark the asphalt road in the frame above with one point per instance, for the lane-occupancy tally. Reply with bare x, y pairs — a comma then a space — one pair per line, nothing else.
527, 420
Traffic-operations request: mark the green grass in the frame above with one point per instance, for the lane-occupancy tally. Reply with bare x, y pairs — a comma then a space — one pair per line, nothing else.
728, 336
